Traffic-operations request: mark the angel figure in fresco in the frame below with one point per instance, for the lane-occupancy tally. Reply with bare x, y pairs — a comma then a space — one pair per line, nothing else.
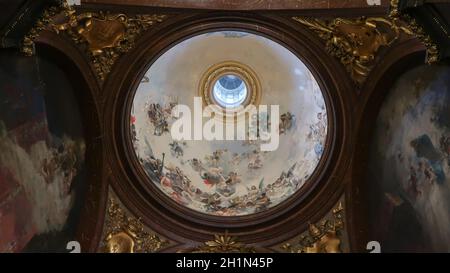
236, 159
253, 193
213, 176
48, 169
286, 122
262, 203
225, 189
427, 151
319, 129
233, 178
228, 188
161, 127
63, 161
255, 161
176, 148
154, 112
154, 165
283, 183
214, 159
158, 119
212, 202
196, 165
69, 158
167, 110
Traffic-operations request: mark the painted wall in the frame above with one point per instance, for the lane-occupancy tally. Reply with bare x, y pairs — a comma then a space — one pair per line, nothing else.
42, 155
229, 178
410, 164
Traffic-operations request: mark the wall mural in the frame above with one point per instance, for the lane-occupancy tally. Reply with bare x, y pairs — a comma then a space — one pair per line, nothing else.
229, 178
410, 164
42, 156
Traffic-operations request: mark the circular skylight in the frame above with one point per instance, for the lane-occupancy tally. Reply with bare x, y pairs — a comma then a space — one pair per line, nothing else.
230, 91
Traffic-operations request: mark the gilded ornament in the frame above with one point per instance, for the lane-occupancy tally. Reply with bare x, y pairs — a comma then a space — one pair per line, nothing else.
323, 237
119, 243
104, 37
27, 47
223, 244
127, 234
355, 42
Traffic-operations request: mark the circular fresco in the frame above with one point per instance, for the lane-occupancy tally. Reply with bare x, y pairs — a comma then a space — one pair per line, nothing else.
233, 175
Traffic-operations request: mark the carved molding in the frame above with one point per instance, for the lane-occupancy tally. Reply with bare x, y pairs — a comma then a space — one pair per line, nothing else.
126, 234
355, 42
104, 37
323, 237
27, 47
222, 243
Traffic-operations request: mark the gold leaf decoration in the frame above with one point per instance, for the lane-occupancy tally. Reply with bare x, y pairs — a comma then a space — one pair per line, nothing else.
223, 244
104, 37
415, 29
324, 237
27, 47
355, 42
127, 234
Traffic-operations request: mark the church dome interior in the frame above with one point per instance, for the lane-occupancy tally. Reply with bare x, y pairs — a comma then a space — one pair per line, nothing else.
220, 177
224, 126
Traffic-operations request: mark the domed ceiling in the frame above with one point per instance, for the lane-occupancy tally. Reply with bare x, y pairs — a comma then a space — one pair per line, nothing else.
229, 177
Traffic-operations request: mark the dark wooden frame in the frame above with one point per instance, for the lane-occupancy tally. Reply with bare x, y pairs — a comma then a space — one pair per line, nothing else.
62, 52
402, 57
168, 218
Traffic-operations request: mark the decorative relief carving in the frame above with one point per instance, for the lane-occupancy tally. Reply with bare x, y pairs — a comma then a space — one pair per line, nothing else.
355, 42
127, 234
417, 31
222, 244
27, 47
324, 237
104, 36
